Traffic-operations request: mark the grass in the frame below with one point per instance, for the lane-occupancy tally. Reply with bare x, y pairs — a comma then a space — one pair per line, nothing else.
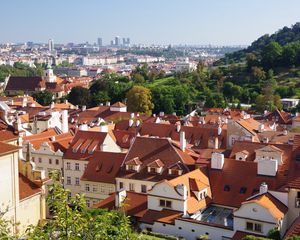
162, 81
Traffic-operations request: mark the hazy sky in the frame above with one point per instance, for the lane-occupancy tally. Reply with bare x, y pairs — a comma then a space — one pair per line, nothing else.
145, 21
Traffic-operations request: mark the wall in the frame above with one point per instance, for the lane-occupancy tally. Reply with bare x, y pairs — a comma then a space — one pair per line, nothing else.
253, 212
137, 184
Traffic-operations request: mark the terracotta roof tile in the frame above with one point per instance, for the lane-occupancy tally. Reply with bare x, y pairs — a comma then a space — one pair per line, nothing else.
26, 187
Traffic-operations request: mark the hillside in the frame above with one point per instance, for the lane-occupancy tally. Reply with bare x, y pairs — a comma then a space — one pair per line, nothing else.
283, 36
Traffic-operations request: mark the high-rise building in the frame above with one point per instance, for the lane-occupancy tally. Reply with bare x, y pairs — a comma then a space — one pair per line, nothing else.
124, 41
128, 41
50, 45
99, 42
117, 41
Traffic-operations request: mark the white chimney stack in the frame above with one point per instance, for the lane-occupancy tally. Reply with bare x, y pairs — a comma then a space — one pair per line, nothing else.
83, 108
178, 126
219, 130
64, 123
138, 122
130, 122
182, 141
263, 188
217, 160
83, 127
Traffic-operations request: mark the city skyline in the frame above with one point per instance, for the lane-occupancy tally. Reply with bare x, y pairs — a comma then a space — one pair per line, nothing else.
177, 22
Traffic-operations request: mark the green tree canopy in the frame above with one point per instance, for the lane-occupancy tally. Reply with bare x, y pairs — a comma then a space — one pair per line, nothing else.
139, 100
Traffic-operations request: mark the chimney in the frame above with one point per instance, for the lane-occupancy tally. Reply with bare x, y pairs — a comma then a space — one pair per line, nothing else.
178, 126
216, 143
174, 113
219, 130
53, 139
263, 188
161, 114
66, 101
52, 105
64, 123
261, 128
266, 140
83, 108
182, 141
131, 115
138, 122
120, 197
108, 104
130, 122
217, 160
285, 132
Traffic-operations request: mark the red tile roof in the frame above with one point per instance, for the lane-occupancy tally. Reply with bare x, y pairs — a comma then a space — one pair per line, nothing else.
26, 187
135, 204
294, 229
239, 235
149, 149
163, 216
84, 144
103, 167
24, 83
6, 148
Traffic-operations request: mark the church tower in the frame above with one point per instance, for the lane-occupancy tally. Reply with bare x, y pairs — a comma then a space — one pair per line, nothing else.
49, 75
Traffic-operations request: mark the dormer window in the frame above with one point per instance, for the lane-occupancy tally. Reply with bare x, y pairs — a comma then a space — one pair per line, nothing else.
176, 172
155, 167
133, 164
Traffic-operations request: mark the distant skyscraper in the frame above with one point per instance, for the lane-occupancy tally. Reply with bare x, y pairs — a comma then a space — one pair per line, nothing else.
117, 41
51, 45
111, 43
128, 41
124, 41
99, 42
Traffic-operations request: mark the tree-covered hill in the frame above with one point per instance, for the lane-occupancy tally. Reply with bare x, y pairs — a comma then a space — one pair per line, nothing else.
284, 36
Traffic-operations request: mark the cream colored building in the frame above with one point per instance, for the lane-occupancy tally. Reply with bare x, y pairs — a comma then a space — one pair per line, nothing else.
22, 191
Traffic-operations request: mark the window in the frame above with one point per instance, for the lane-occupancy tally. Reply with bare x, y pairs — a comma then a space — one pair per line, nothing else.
249, 226
226, 188
68, 180
56, 161
68, 166
77, 181
131, 186
85, 166
130, 167
193, 230
121, 185
50, 161
87, 187
77, 166
143, 188
165, 203
40, 160
152, 170
149, 229
88, 203
32, 159
256, 227
243, 190
95, 189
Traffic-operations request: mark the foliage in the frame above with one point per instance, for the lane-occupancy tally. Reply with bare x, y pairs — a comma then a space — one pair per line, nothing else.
73, 220
79, 96
20, 69
139, 100
251, 237
43, 97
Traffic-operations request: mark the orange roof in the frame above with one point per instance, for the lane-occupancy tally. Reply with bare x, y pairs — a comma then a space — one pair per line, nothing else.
6, 148
26, 187
274, 206
135, 204
239, 235
294, 229
118, 104
163, 216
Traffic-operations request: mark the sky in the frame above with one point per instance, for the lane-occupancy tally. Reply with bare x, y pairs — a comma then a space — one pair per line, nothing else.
217, 22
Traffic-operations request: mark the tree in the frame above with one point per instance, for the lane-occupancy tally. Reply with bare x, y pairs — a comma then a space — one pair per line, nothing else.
138, 78
79, 96
72, 219
100, 97
43, 97
271, 55
139, 100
